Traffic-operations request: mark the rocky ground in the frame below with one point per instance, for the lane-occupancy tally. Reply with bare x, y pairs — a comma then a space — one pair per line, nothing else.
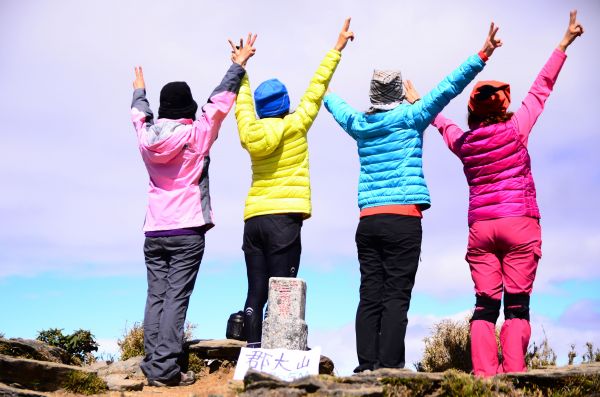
211, 385
28, 368
32, 368
572, 381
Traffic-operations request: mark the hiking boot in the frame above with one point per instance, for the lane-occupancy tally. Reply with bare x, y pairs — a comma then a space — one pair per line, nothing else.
364, 368
182, 380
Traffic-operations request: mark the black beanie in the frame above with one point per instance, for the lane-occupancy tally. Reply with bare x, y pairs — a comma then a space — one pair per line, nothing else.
176, 102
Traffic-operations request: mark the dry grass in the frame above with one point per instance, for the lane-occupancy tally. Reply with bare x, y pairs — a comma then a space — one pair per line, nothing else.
448, 347
590, 355
541, 356
132, 344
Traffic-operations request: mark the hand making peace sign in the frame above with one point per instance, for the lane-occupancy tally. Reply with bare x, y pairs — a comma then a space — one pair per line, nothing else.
491, 42
240, 54
139, 78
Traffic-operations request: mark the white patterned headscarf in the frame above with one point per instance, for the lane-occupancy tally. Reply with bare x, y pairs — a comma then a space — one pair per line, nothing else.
386, 91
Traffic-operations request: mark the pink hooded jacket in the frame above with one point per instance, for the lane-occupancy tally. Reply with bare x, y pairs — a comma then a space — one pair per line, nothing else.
176, 155
495, 157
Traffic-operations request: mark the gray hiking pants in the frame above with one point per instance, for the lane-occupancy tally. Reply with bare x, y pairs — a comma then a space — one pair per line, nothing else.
172, 265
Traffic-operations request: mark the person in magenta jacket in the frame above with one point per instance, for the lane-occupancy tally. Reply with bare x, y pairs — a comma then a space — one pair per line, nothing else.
175, 150
504, 230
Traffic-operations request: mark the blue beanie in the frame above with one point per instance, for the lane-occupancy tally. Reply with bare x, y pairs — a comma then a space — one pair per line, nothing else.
271, 99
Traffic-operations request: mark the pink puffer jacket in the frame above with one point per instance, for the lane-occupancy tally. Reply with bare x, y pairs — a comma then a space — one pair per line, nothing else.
495, 157
176, 155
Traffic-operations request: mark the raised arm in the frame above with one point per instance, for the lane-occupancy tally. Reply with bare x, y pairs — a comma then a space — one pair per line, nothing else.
307, 110
223, 96
343, 113
450, 131
425, 110
533, 104
141, 114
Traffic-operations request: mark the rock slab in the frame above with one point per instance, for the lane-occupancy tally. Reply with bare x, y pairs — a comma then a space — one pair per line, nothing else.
222, 349
38, 375
34, 350
284, 326
229, 349
553, 376
8, 391
121, 375
120, 382
579, 380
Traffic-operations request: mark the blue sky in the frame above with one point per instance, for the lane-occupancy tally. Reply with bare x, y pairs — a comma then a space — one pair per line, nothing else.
74, 191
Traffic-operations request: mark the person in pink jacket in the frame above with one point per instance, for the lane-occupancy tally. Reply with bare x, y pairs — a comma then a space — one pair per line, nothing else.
175, 150
504, 230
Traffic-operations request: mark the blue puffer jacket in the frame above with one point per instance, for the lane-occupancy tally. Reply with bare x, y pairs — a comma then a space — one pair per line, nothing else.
390, 144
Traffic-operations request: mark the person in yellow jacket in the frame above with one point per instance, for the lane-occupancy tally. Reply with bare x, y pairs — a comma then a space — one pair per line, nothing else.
279, 197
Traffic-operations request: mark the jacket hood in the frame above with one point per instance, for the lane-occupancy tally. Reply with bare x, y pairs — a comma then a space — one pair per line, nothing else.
378, 124
165, 140
264, 136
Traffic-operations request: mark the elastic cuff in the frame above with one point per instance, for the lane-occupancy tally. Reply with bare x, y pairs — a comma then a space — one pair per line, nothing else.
483, 56
560, 53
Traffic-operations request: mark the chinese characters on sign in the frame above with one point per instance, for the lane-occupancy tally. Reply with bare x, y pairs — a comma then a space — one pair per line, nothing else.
282, 363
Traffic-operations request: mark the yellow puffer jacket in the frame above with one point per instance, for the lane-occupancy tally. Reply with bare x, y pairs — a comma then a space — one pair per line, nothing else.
278, 147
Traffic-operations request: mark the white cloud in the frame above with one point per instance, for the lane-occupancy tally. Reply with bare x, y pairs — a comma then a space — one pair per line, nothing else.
74, 185
107, 348
561, 333
568, 254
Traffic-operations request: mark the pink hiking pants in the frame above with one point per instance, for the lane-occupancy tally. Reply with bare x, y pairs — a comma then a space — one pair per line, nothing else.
503, 255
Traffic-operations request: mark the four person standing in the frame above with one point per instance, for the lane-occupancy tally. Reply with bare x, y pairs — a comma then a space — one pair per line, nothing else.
392, 194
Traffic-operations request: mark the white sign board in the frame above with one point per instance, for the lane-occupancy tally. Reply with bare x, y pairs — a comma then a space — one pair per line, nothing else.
285, 364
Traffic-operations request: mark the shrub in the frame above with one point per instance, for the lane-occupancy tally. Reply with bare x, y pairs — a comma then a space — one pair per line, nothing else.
590, 355
448, 347
80, 344
578, 387
196, 364
400, 387
572, 354
188, 331
456, 383
572, 386
132, 344
540, 356
52, 336
82, 383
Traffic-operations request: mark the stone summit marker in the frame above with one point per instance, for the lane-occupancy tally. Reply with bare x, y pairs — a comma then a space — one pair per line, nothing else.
284, 326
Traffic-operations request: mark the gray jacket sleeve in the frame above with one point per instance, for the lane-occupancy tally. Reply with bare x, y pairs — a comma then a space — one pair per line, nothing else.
140, 102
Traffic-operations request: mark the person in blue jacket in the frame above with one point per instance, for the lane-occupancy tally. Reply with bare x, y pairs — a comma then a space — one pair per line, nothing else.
391, 195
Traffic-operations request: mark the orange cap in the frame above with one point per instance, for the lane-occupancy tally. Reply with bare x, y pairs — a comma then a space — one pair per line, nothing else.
489, 97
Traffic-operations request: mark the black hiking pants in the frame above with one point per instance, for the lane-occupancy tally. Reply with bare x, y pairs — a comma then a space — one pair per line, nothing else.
389, 247
271, 248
